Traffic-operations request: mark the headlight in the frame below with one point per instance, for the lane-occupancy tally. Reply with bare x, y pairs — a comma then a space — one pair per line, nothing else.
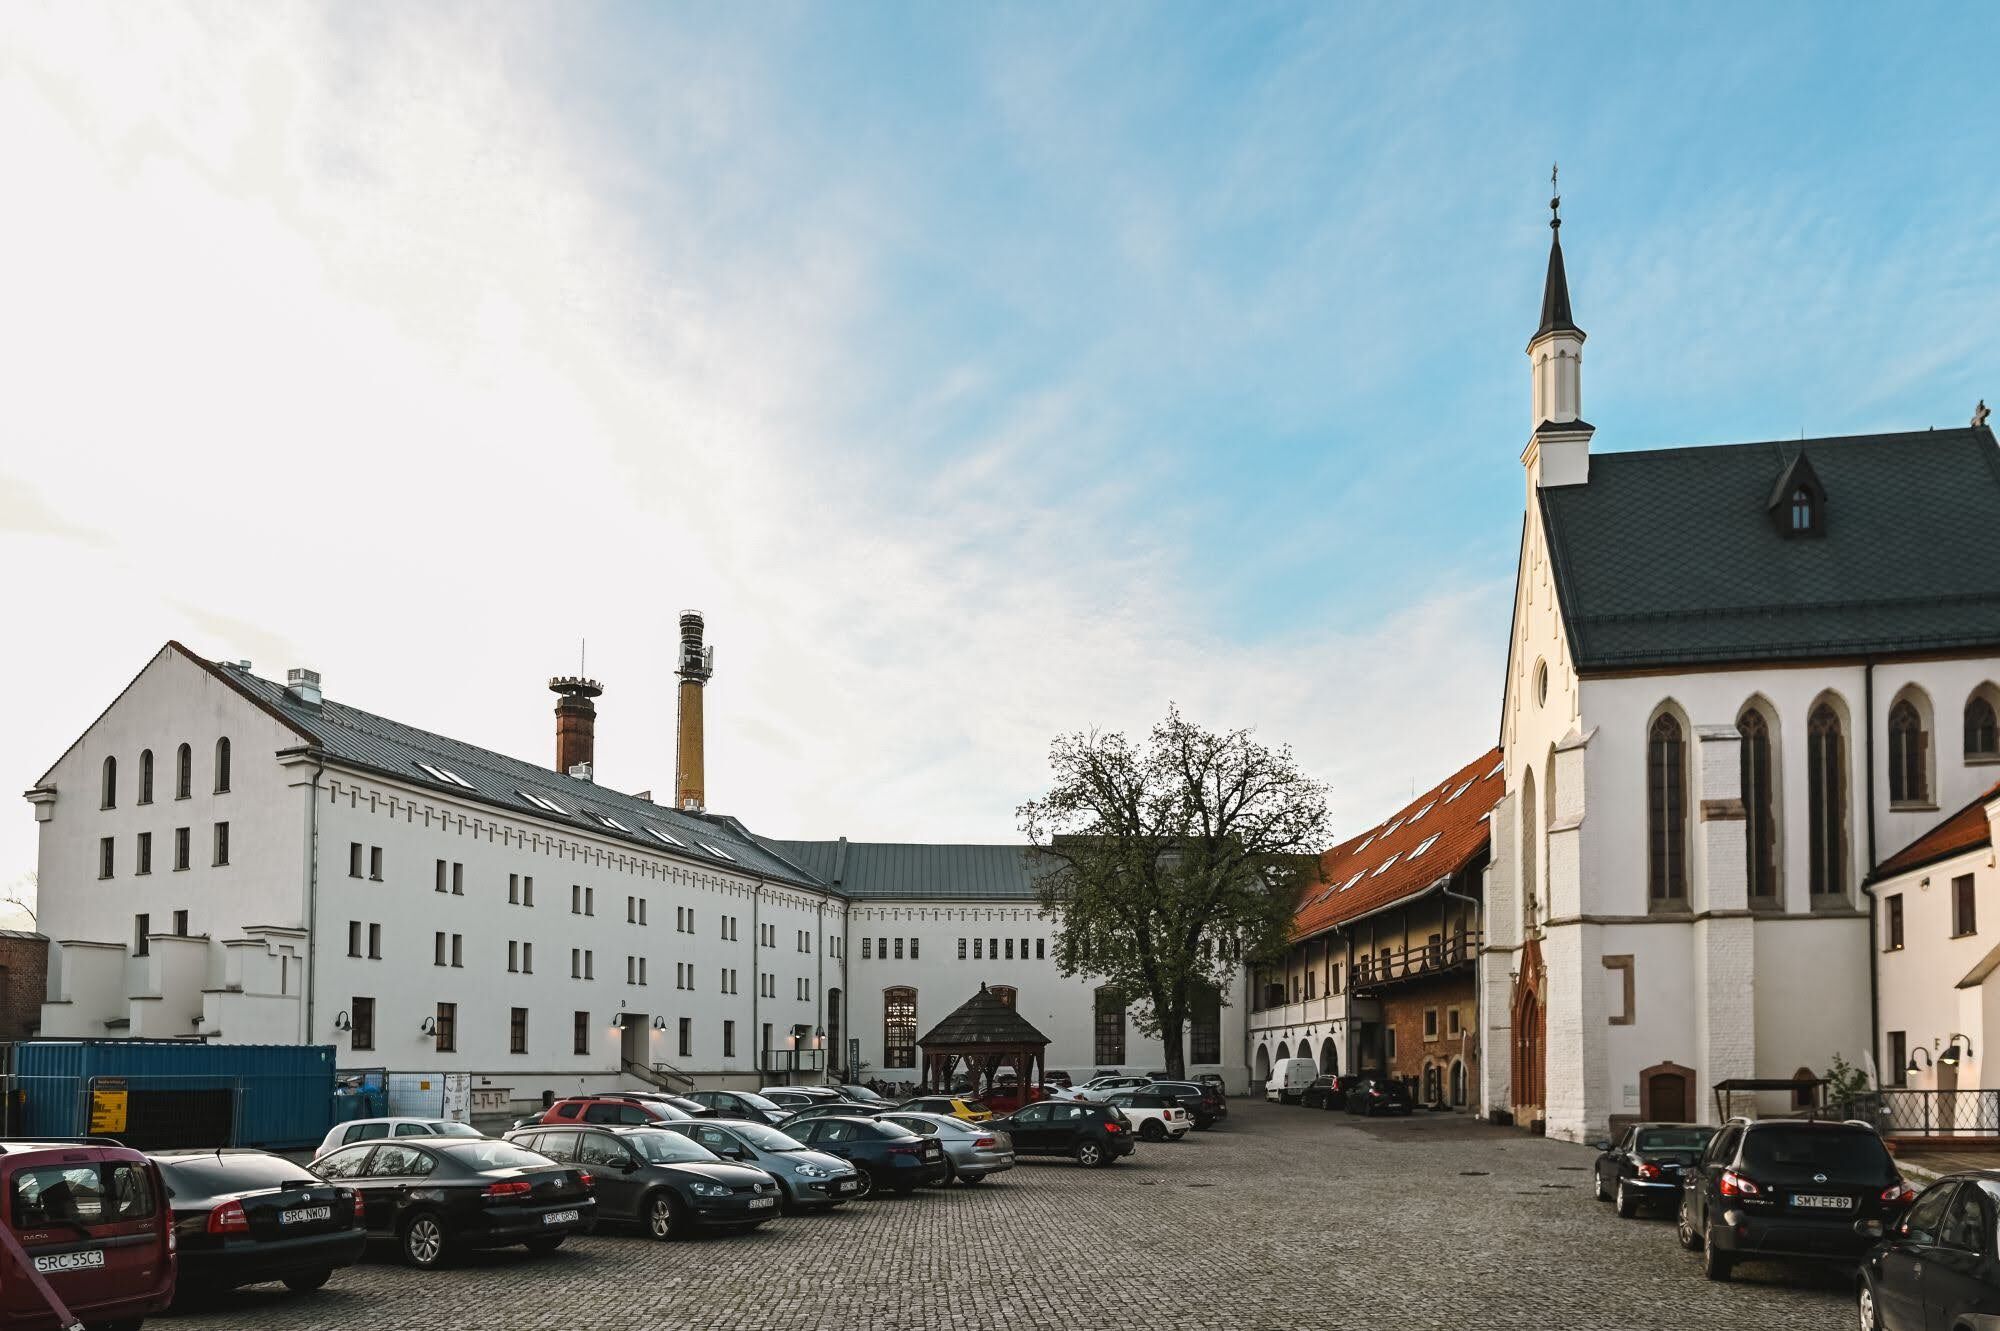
809, 1171
709, 1189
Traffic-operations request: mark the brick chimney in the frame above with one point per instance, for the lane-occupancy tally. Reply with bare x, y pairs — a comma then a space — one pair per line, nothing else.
576, 724
697, 663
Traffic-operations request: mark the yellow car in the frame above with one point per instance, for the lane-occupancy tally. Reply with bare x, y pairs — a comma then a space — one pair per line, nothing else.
949, 1105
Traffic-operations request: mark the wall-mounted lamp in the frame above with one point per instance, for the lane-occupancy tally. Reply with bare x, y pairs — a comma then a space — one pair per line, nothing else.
343, 1023
659, 1023
429, 1026
1949, 1058
1913, 1069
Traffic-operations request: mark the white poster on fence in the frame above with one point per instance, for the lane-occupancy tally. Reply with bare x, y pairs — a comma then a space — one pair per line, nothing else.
458, 1096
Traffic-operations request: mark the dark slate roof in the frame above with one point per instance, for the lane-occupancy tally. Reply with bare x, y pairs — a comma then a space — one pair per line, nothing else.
917, 871
1671, 557
1555, 293
984, 1020
362, 739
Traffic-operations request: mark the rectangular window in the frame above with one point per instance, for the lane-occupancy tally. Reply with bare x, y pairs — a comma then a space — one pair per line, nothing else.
447, 1028
142, 928
961, 949
354, 859
527, 889
222, 843
354, 938
1110, 1029
1390, 1036
576, 898
642, 970
1892, 923
1899, 1056
590, 901
443, 883
1963, 919
517, 1031
1040, 944
375, 863
1430, 1023
457, 879
438, 948
687, 1037
513, 889
1010, 949
107, 856
527, 958
513, 955
913, 949
899, 1028
729, 1039
180, 924
631, 970
374, 942
576, 963
1451, 1023
882, 948
867, 948
145, 860
589, 964
361, 1022
1333, 977
580, 1034
183, 846
978, 948
899, 949
1205, 1023
993, 949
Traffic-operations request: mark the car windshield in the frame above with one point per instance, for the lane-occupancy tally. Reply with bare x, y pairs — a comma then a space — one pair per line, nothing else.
1674, 1139
1798, 1152
444, 1128
497, 1155
666, 1148
757, 1101
763, 1138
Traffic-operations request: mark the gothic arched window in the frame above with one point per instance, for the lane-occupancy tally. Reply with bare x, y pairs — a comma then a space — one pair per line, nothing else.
222, 766
1826, 801
146, 776
184, 773
1982, 736
108, 798
1802, 509
1909, 755
1760, 829
1666, 812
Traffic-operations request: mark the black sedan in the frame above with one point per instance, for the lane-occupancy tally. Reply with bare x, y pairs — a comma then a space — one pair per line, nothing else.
1642, 1167
890, 1157
662, 1180
1329, 1092
436, 1196
831, 1108
1938, 1266
244, 1217
1379, 1095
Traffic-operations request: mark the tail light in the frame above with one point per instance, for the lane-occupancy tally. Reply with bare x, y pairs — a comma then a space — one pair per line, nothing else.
587, 1179
1112, 1127
515, 1188
1735, 1185
1648, 1170
228, 1218
1898, 1193
986, 1141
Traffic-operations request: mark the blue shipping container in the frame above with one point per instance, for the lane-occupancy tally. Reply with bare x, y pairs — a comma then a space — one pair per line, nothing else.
179, 1093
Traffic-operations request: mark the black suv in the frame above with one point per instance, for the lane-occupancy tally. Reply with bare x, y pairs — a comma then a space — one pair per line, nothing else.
1370, 1096
661, 1180
1789, 1189
1090, 1134
1201, 1102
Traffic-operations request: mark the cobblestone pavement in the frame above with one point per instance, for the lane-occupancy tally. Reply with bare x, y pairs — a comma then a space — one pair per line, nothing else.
1284, 1218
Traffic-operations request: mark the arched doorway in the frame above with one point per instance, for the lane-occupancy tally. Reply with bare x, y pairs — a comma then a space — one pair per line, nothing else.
1433, 1084
1329, 1058
1263, 1063
1666, 1093
1284, 1051
1529, 1032
1458, 1083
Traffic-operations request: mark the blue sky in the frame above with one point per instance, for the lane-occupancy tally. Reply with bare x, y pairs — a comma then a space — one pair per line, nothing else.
982, 372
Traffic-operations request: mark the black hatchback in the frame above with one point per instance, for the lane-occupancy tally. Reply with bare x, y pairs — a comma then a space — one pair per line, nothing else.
662, 1180
245, 1217
1938, 1266
1789, 1189
1091, 1134
1379, 1095
1642, 1165
435, 1196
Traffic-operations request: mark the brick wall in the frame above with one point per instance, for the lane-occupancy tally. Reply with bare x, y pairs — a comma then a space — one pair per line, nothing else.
24, 983
1403, 1009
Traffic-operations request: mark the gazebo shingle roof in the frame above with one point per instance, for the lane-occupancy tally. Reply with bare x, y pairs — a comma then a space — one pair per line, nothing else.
983, 1020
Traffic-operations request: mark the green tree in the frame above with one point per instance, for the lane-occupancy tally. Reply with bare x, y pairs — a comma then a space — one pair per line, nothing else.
1173, 862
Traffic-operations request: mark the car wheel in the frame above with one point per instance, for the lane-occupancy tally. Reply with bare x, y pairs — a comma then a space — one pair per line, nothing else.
1628, 1205
1684, 1229
867, 1188
305, 1282
423, 1241
665, 1219
542, 1247
1151, 1130
1597, 1186
950, 1173
1715, 1263
1864, 1302
1089, 1154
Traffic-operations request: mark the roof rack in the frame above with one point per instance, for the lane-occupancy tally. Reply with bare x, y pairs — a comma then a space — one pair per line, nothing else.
5, 1142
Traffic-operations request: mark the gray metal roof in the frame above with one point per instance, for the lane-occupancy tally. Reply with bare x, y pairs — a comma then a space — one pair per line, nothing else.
362, 739
1673, 557
915, 871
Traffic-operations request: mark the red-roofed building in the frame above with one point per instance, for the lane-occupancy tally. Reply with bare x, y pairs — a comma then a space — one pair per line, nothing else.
1381, 975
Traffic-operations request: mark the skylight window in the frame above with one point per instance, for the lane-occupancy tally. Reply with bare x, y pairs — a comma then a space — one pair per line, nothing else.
716, 851
543, 802
667, 837
1498, 768
1385, 864
1352, 881
1425, 846
610, 822
1421, 812
446, 775
1391, 828
1456, 793
1366, 844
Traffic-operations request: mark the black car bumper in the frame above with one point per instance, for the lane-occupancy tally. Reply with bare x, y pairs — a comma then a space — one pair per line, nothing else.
734, 1212
1744, 1235
250, 1262
906, 1177
1652, 1192
520, 1225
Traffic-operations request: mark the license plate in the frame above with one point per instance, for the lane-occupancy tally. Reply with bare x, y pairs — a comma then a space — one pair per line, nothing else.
1822, 1202
559, 1217
759, 1202
70, 1261
304, 1214
931, 1152
848, 1185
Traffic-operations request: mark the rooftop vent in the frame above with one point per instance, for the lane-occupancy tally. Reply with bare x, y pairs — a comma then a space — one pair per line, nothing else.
303, 684
581, 771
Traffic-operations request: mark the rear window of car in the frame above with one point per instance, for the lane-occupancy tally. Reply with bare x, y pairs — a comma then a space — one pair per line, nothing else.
207, 1175
82, 1194
497, 1155
1784, 1152
1674, 1139
881, 1129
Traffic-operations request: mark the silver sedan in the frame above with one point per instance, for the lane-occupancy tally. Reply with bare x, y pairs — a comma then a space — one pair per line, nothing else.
971, 1150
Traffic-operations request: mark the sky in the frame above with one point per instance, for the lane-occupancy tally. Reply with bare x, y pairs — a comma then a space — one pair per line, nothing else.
983, 373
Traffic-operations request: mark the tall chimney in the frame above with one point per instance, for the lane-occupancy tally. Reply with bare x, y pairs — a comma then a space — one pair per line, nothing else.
696, 665
576, 724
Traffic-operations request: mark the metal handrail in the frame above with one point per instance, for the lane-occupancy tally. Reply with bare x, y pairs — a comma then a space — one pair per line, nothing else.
1413, 962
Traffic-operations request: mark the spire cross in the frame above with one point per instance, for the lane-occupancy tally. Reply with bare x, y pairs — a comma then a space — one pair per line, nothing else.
1555, 199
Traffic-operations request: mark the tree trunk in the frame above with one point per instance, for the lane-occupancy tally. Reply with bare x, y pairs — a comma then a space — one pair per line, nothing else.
1172, 1030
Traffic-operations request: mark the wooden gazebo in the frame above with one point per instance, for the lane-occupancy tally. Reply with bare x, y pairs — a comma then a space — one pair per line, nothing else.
987, 1035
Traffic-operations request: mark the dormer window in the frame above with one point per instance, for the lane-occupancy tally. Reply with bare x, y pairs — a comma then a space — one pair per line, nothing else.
1803, 510
1798, 500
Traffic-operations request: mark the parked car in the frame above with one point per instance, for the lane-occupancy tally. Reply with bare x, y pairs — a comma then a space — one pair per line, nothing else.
807, 1179
745, 1105
630, 1110
245, 1217
372, 1129
1156, 1117
1090, 1134
1213, 1079
1642, 1166
1062, 1079
950, 1105
687, 1104
1006, 1098
1379, 1095
1937, 1267
856, 1093
1100, 1089
1202, 1102
1289, 1079
798, 1097
665, 1181
434, 1196
1789, 1189
971, 1150
1329, 1092
841, 1107
890, 1157
92, 1217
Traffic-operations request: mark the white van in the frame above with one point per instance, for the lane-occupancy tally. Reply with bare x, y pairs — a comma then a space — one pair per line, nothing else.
1289, 1079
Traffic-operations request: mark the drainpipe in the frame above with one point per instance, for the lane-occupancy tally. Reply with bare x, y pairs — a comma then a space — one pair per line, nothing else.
819, 985
1868, 745
756, 977
312, 893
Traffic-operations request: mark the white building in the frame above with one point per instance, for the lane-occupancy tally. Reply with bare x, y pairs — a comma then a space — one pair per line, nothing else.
227, 857
1735, 672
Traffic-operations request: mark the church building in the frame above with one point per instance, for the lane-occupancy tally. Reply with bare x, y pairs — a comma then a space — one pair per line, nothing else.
1739, 676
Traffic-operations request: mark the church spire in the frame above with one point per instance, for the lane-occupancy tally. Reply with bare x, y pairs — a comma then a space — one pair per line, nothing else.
1559, 451
1556, 317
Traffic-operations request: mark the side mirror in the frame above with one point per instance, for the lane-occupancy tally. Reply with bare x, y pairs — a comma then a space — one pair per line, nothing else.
628, 1165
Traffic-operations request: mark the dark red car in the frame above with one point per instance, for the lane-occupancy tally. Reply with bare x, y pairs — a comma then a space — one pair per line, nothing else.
626, 1110
87, 1227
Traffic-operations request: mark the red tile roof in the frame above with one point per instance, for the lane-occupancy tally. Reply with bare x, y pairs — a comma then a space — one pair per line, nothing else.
1436, 833
1965, 830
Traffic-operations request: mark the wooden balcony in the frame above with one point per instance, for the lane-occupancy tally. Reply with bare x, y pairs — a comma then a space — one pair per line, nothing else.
1425, 961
